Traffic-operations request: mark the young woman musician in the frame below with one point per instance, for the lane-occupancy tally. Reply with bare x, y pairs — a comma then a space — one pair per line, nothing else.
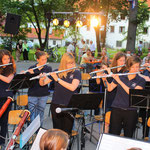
38, 95
6, 75
118, 60
122, 115
66, 84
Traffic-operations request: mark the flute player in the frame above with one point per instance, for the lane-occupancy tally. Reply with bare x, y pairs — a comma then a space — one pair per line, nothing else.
66, 84
122, 114
38, 95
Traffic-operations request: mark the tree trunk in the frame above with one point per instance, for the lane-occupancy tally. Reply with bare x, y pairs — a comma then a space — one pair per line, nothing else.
131, 38
97, 31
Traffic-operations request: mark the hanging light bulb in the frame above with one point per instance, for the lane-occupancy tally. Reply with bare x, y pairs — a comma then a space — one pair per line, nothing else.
79, 23
66, 23
55, 22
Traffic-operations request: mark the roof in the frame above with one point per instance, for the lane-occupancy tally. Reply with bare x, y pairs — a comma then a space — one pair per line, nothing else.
55, 34
148, 2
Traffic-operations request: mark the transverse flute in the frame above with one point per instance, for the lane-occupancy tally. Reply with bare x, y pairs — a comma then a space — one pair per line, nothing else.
37, 77
119, 74
6, 64
34, 68
105, 69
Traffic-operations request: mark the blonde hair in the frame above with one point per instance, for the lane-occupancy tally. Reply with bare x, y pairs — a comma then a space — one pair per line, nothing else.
54, 139
67, 57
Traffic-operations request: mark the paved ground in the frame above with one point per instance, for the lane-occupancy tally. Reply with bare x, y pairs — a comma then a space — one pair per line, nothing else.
89, 145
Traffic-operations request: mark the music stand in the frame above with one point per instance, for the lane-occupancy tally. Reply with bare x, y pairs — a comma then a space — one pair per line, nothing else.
87, 101
140, 99
21, 81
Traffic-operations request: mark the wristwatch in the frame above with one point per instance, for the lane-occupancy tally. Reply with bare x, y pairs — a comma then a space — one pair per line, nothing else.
58, 79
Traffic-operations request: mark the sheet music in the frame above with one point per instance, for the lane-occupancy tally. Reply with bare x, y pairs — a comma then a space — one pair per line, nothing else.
35, 145
110, 142
30, 130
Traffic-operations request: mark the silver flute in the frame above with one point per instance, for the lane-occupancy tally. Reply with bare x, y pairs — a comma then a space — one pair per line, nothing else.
105, 69
34, 68
119, 74
47, 74
6, 64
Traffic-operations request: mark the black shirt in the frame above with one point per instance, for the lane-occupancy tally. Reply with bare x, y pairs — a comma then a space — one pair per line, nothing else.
61, 94
36, 90
122, 98
4, 87
146, 73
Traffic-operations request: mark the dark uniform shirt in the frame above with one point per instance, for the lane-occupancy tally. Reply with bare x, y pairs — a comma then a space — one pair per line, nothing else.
110, 96
61, 94
122, 98
146, 73
36, 89
4, 92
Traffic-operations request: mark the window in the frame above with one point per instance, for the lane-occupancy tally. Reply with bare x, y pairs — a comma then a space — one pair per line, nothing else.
112, 29
121, 29
54, 42
145, 30
122, 17
118, 43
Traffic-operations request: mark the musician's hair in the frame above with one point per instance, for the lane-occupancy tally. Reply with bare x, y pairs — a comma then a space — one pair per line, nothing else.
39, 53
10, 69
54, 139
114, 61
132, 60
66, 58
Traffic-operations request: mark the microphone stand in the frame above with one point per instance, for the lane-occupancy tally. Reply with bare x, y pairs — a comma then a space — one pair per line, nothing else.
82, 124
104, 110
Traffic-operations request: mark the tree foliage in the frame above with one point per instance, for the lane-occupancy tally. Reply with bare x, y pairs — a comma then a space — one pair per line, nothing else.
113, 8
38, 13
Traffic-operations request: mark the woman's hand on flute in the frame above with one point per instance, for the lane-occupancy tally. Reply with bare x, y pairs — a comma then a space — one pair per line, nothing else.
42, 76
116, 77
106, 68
31, 71
54, 75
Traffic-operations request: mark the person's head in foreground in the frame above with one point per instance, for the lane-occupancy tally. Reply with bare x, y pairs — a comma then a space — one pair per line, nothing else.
54, 139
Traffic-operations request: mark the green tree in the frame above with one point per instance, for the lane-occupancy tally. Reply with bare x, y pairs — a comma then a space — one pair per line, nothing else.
36, 12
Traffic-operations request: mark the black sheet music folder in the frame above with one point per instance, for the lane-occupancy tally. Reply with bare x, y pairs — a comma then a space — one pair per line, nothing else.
21, 81
139, 98
86, 101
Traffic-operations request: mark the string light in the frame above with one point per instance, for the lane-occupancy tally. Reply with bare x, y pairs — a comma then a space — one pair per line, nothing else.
79, 24
55, 22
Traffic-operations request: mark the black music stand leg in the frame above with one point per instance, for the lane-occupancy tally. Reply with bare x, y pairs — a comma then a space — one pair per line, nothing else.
83, 134
146, 118
104, 110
